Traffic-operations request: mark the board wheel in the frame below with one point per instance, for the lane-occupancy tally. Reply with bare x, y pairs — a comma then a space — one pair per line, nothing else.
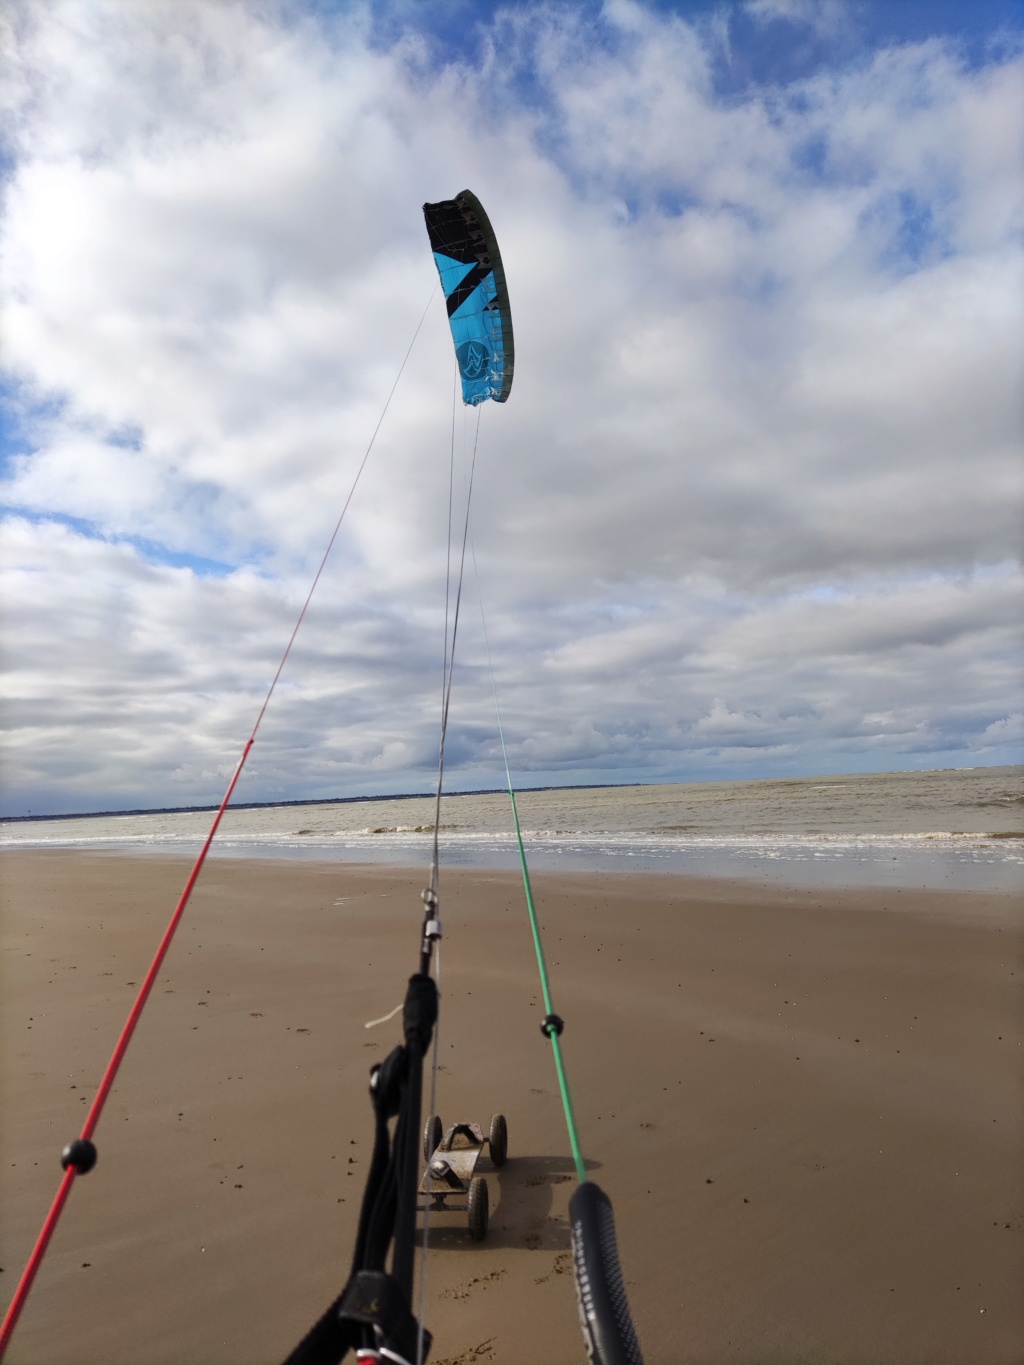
433, 1132
497, 1139
478, 1208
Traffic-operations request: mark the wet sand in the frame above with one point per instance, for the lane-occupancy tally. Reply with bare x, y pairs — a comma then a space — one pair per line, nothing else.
806, 1106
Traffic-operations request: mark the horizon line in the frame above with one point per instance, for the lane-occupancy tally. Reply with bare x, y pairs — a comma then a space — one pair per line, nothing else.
475, 791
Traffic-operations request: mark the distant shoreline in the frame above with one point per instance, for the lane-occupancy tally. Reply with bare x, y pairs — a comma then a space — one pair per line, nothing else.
489, 791
321, 801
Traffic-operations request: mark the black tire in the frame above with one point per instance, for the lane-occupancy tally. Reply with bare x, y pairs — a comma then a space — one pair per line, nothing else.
479, 1208
433, 1132
498, 1140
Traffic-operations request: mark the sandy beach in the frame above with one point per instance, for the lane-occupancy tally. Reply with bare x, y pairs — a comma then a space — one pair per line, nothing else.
805, 1104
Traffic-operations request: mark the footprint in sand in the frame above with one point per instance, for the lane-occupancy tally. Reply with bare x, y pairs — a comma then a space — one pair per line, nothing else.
484, 1350
463, 1291
561, 1266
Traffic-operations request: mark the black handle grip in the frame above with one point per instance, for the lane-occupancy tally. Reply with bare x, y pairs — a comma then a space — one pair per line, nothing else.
604, 1310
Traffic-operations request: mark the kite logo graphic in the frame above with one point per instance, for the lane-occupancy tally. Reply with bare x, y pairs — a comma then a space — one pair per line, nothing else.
474, 360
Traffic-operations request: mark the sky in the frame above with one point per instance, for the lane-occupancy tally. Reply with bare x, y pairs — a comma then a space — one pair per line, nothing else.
752, 508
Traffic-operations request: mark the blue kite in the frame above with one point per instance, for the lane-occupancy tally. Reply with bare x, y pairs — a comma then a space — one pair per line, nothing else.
473, 279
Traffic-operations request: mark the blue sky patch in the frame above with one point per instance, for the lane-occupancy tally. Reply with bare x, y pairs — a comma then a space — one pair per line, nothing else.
19, 417
149, 550
761, 49
913, 237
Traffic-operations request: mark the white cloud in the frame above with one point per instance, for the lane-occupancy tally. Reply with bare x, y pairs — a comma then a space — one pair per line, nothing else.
823, 16
1007, 728
760, 456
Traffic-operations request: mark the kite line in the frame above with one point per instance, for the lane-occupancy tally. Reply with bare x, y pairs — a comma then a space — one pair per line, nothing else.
552, 1024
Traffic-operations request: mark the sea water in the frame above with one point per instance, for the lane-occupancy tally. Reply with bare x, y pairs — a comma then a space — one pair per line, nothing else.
961, 828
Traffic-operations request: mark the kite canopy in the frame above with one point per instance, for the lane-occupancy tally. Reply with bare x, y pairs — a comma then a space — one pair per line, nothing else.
473, 280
